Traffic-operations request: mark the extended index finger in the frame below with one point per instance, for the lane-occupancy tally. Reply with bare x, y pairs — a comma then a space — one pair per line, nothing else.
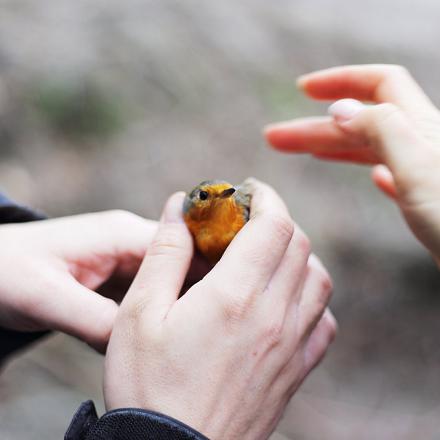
321, 137
371, 82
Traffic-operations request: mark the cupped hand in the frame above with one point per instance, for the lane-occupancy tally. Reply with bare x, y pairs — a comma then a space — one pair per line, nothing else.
49, 271
399, 135
226, 357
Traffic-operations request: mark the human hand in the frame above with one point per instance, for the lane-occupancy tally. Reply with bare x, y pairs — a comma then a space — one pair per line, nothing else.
50, 269
227, 356
399, 135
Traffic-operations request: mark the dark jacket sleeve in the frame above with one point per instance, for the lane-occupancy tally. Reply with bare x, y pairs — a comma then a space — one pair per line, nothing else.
11, 340
127, 424
11, 212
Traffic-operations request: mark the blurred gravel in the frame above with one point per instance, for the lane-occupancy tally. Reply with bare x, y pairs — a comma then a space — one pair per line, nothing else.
189, 87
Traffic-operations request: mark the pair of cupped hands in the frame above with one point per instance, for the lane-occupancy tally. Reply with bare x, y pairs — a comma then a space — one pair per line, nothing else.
226, 357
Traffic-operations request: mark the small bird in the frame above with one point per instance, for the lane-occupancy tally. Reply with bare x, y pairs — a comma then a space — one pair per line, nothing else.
214, 212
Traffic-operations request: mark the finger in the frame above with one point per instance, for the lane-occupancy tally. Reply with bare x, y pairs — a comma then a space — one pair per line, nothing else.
315, 297
390, 134
284, 284
110, 232
102, 244
360, 156
162, 274
313, 351
312, 135
256, 251
377, 83
384, 180
320, 339
320, 137
79, 312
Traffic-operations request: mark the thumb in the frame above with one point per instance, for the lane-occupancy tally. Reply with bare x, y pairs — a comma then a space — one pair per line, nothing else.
388, 131
82, 313
159, 281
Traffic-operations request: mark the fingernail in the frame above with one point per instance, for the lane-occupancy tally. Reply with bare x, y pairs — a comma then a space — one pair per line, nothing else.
269, 131
301, 81
249, 184
274, 126
345, 109
173, 211
267, 128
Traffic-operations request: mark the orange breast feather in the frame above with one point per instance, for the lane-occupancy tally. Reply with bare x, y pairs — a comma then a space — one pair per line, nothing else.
213, 233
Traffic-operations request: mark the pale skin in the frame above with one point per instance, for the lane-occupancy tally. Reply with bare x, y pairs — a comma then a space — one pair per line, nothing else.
399, 135
50, 269
227, 356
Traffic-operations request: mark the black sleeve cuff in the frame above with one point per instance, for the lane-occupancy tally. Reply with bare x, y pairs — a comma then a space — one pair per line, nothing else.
11, 340
127, 424
11, 212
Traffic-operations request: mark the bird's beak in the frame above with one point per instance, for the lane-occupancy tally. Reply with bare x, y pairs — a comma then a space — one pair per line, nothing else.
227, 193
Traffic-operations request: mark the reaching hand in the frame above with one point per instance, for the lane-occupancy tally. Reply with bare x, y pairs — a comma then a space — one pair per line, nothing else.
399, 134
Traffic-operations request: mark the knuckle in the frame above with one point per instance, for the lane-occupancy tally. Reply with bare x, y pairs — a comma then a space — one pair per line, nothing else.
380, 112
327, 284
109, 310
235, 311
282, 228
303, 242
325, 289
377, 117
323, 285
386, 108
102, 328
332, 327
119, 214
169, 241
273, 333
394, 70
324, 279
132, 316
236, 308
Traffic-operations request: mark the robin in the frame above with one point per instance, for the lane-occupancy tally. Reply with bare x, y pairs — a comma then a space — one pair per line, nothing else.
214, 212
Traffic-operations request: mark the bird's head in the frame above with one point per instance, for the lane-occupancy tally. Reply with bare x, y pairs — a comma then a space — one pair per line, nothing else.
208, 197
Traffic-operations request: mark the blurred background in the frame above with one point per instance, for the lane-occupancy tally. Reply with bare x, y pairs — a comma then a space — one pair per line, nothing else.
116, 104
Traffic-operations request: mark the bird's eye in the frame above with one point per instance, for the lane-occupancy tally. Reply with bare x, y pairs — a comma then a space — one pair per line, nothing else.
203, 195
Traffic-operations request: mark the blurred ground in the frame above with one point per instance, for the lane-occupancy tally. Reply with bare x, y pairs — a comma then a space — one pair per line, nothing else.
117, 104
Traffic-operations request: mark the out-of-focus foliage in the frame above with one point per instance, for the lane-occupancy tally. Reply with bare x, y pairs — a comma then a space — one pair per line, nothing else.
78, 110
